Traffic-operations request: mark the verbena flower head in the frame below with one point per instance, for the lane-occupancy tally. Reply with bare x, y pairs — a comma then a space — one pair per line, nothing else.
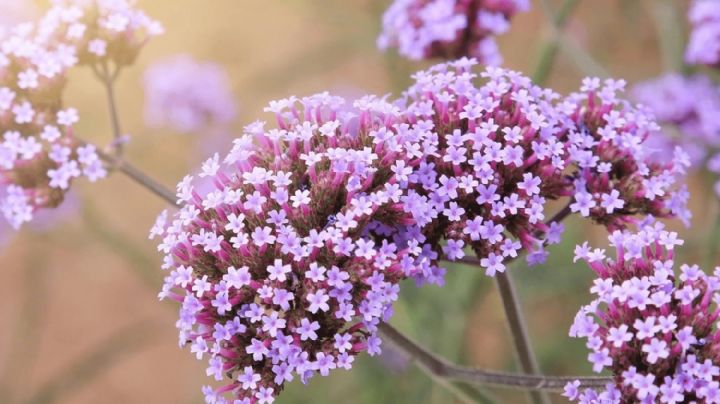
187, 95
704, 45
618, 178
498, 151
39, 154
688, 108
286, 267
653, 327
102, 31
449, 29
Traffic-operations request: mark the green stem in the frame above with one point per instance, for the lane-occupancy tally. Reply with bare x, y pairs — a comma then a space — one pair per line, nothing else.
550, 49
518, 330
669, 32
582, 59
108, 81
444, 369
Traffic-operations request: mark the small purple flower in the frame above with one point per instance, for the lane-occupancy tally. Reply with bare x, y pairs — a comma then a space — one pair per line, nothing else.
425, 29
688, 108
652, 359
704, 43
188, 96
305, 293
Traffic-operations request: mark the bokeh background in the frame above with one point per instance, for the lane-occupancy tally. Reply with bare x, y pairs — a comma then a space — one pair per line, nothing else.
79, 317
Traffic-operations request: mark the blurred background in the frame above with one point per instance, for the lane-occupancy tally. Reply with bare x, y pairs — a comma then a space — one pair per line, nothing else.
79, 317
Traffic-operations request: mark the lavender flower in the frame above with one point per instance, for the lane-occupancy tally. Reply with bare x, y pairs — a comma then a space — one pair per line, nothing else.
187, 95
39, 154
654, 328
688, 108
704, 45
449, 29
497, 152
285, 269
103, 31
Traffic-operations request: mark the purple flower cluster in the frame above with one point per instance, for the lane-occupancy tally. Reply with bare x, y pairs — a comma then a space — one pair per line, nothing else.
449, 29
104, 31
285, 269
499, 151
39, 155
652, 327
688, 108
704, 44
285, 266
188, 96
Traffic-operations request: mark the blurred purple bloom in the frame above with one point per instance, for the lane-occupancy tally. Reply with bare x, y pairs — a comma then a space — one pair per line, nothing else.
39, 154
188, 96
688, 108
450, 29
704, 44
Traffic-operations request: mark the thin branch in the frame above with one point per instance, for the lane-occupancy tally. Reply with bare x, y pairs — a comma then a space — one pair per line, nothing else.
669, 33
513, 312
108, 80
139, 177
518, 329
584, 61
442, 368
149, 183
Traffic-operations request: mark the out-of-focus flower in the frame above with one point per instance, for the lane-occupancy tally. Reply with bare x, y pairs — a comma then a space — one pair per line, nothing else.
704, 45
44, 221
449, 29
102, 31
39, 154
654, 328
688, 108
498, 151
15, 12
188, 96
286, 267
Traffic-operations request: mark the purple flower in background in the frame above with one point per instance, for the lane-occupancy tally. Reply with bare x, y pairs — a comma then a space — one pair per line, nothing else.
45, 220
103, 31
285, 267
449, 29
688, 108
188, 96
39, 154
653, 327
704, 44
